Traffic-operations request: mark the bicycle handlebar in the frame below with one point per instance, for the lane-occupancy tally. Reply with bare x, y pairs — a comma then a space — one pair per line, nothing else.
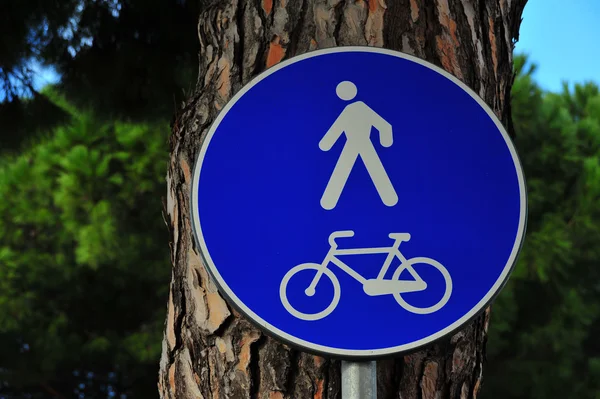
339, 234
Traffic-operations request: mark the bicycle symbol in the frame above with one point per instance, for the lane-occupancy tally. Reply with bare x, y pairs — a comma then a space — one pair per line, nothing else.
372, 287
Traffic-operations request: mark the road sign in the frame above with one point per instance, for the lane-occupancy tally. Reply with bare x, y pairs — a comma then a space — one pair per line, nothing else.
358, 202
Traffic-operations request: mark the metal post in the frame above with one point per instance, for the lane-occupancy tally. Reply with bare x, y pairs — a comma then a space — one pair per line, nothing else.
359, 380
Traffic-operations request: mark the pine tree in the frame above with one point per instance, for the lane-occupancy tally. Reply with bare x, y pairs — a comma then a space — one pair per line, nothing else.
209, 350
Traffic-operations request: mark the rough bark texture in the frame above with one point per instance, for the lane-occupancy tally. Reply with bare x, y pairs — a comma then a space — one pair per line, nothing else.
210, 351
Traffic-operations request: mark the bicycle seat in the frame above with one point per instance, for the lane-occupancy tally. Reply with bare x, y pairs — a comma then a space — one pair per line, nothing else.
400, 236
339, 234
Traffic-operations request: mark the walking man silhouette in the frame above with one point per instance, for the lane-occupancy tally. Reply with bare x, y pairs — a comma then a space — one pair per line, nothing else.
356, 120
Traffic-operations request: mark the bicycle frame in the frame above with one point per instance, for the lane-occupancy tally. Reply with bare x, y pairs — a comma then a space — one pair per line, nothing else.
396, 286
331, 257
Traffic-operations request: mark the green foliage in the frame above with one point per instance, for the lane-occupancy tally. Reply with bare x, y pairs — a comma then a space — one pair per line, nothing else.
21, 119
545, 323
84, 265
126, 58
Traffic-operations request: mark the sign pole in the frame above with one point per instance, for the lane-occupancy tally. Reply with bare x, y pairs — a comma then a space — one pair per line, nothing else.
359, 380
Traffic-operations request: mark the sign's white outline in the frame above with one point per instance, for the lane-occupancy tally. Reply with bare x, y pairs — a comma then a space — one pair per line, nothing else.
333, 351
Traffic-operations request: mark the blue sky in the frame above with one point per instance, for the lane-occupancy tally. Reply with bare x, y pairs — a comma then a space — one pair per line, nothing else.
561, 36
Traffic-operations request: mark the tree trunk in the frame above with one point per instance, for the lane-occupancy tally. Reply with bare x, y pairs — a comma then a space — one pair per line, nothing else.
209, 350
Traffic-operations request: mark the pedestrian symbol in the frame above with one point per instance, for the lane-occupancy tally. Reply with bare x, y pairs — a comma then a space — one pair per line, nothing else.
356, 120
408, 158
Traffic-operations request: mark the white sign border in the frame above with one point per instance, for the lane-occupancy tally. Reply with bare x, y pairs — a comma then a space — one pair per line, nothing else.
340, 352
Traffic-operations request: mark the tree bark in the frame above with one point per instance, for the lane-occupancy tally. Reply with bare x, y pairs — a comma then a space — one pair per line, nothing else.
209, 350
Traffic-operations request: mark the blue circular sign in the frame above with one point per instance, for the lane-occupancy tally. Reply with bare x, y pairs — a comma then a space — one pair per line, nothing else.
358, 202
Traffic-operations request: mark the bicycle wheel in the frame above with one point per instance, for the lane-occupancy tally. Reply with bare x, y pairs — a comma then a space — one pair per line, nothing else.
438, 266
309, 316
